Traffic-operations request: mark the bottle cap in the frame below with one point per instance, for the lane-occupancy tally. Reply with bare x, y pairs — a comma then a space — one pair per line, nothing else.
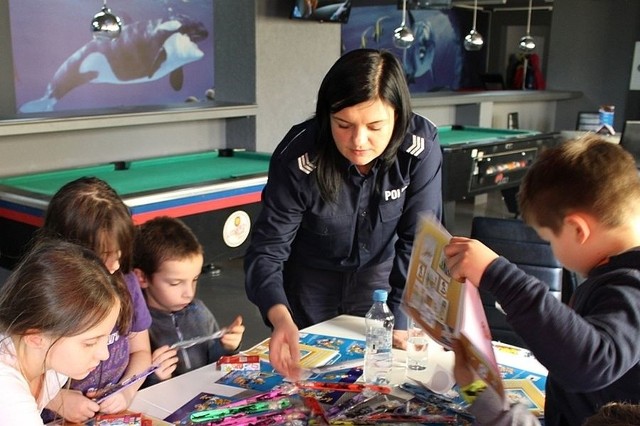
380, 295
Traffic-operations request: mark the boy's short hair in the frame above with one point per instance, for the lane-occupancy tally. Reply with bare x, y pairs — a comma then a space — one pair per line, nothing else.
161, 239
587, 174
615, 414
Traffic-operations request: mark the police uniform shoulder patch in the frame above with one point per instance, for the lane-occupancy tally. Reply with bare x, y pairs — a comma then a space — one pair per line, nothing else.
417, 145
305, 164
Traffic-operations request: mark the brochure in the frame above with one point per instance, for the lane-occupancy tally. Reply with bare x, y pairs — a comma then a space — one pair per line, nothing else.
317, 353
202, 401
318, 350
445, 308
523, 376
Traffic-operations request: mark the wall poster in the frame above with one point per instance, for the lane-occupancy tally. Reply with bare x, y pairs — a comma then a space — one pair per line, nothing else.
436, 61
164, 55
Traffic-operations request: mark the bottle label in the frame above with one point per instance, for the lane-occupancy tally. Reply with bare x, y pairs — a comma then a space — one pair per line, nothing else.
606, 116
379, 340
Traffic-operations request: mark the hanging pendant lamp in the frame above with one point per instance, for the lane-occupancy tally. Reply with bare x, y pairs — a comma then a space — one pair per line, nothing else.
473, 41
106, 24
403, 36
527, 44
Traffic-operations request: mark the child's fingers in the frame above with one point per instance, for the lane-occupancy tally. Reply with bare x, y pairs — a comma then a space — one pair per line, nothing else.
236, 322
164, 353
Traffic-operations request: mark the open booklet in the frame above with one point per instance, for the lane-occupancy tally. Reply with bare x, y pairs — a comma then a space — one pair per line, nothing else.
445, 308
318, 351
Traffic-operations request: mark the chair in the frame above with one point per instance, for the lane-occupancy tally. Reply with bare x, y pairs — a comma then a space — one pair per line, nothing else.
588, 121
520, 244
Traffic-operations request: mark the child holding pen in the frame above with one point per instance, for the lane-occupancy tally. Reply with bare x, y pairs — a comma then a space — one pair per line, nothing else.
168, 261
89, 212
57, 311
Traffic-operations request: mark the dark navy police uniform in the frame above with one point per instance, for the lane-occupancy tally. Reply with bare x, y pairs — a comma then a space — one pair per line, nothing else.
325, 259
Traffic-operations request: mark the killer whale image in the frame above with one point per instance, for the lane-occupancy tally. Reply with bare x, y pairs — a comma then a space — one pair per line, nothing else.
144, 51
436, 59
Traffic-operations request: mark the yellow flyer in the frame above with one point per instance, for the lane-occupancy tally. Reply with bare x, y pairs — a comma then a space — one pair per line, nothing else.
445, 308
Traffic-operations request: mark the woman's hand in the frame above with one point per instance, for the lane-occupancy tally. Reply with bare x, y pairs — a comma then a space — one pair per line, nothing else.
284, 346
400, 339
233, 337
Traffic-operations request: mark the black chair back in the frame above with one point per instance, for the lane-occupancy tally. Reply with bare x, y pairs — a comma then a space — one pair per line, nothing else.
588, 121
520, 244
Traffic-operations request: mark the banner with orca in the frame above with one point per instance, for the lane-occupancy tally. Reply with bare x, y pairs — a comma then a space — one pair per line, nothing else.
436, 61
163, 56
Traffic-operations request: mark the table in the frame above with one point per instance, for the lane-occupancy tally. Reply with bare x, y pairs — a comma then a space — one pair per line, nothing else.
477, 160
166, 397
216, 193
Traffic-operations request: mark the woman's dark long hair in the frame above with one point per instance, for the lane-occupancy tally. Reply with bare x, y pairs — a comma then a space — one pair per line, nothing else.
358, 76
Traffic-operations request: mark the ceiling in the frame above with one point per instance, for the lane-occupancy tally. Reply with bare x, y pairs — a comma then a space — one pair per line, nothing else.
509, 4
484, 4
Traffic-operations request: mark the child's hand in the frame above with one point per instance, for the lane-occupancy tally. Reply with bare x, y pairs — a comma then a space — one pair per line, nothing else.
118, 402
232, 338
462, 371
468, 259
167, 360
76, 408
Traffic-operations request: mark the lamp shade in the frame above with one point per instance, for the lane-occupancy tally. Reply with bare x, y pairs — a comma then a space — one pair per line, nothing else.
106, 24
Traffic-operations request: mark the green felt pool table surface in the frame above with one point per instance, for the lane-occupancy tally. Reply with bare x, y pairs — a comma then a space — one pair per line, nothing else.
150, 174
454, 135
156, 174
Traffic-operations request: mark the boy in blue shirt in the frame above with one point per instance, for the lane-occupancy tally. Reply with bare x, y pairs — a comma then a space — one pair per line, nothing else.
584, 198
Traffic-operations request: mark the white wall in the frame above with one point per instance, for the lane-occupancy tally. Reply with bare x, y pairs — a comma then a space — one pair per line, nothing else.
34, 152
292, 58
591, 50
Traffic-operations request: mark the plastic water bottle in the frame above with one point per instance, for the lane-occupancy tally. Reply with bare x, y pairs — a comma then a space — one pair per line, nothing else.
378, 357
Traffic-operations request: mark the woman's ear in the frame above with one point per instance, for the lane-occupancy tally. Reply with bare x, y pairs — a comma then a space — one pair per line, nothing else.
579, 226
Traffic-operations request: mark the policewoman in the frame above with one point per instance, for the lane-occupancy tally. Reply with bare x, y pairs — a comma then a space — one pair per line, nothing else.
341, 203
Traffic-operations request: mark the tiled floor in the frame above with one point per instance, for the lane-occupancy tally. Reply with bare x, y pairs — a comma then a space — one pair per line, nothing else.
225, 295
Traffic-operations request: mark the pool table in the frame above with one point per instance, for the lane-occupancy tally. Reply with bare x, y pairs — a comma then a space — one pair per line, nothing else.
477, 160
216, 193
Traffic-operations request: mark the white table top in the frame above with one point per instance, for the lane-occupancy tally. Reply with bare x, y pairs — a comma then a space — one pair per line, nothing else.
164, 398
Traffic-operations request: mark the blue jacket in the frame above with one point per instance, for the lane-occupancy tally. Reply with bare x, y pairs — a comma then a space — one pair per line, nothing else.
369, 223
591, 351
